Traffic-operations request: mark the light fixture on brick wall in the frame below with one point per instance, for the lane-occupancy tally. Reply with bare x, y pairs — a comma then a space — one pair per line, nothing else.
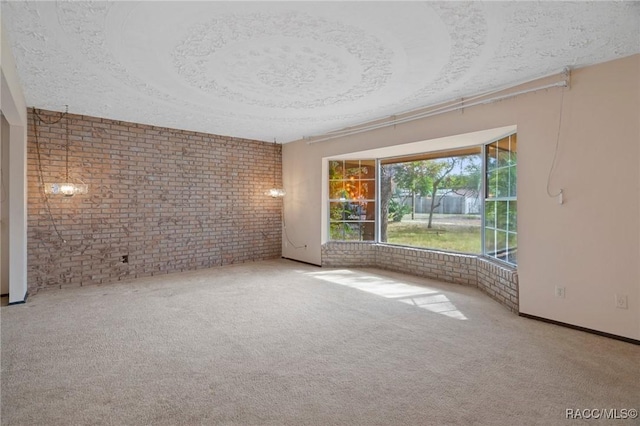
67, 187
275, 192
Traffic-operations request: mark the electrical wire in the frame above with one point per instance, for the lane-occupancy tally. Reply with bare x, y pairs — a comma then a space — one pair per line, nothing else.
555, 153
286, 234
3, 192
40, 170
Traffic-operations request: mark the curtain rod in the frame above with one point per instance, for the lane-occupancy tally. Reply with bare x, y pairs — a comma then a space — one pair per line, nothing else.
453, 106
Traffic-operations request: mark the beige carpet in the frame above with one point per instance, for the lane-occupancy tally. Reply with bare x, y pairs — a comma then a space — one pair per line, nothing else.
283, 343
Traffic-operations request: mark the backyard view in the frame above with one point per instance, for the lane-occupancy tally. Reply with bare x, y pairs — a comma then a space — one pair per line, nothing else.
449, 232
434, 202
431, 200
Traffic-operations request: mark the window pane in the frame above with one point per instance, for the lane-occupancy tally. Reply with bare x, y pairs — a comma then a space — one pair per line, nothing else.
514, 149
336, 190
352, 232
492, 155
336, 170
490, 214
490, 241
352, 209
368, 230
492, 184
503, 183
447, 217
368, 210
335, 231
504, 157
368, 169
513, 216
512, 240
351, 189
337, 211
367, 189
501, 243
513, 188
501, 215
352, 169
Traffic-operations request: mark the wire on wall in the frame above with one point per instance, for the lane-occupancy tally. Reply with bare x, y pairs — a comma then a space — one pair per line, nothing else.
38, 117
555, 153
286, 234
3, 193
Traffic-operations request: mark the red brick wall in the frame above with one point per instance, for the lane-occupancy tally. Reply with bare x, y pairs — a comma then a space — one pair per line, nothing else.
171, 200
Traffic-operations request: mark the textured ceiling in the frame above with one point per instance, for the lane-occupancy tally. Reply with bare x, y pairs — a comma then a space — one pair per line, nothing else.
286, 70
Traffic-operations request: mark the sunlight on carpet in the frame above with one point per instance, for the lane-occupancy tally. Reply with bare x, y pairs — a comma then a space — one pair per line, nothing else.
422, 297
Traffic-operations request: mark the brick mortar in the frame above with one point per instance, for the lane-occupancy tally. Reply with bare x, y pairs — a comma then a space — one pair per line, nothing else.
171, 200
498, 281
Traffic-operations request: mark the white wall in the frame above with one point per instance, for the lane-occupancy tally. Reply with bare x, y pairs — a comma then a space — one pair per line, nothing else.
4, 206
590, 244
14, 151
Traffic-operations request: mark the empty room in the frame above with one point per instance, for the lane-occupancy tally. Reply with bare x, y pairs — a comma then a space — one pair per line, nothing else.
320, 213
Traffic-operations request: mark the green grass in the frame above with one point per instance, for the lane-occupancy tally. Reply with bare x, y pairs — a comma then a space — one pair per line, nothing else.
460, 238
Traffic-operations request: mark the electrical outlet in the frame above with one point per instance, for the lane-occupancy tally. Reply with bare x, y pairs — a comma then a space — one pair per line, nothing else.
560, 292
621, 301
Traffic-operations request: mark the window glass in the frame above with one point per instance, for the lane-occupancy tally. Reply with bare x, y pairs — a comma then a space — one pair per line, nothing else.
352, 207
434, 201
501, 209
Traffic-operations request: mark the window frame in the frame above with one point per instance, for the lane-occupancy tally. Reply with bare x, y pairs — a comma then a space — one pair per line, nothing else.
498, 199
483, 195
358, 200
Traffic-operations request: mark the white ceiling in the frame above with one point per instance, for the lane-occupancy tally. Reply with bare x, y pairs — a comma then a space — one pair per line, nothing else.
285, 70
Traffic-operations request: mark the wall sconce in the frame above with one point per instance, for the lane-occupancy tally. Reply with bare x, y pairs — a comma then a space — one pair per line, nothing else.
275, 192
67, 188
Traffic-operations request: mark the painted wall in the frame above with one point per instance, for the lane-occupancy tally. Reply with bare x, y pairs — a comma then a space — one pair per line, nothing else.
590, 244
4, 206
14, 148
170, 200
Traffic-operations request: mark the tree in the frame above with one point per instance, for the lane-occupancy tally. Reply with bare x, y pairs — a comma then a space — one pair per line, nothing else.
386, 175
436, 178
415, 177
438, 171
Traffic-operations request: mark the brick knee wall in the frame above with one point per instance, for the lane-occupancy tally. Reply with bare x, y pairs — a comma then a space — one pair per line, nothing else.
498, 281
170, 200
346, 253
450, 267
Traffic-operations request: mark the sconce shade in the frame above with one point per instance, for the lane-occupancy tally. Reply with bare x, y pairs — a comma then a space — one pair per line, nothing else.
277, 192
68, 189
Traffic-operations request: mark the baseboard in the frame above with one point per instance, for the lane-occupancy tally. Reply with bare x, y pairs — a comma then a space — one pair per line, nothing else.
301, 261
20, 302
586, 330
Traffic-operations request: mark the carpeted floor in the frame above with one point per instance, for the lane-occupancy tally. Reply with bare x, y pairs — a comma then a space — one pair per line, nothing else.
283, 343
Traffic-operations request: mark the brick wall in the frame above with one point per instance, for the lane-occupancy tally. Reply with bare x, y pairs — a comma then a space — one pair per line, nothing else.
450, 267
342, 253
499, 281
170, 200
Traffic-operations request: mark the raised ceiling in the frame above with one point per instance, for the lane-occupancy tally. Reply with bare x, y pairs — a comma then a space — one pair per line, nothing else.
285, 70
